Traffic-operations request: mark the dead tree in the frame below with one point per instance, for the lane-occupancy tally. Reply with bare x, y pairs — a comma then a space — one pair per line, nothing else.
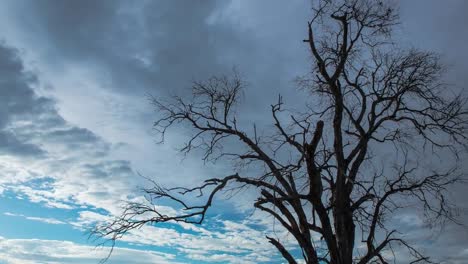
366, 95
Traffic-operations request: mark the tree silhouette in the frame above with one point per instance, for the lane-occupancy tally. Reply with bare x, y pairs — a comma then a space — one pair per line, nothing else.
324, 172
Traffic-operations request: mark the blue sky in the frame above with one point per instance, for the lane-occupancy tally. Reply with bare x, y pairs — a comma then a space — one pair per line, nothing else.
76, 123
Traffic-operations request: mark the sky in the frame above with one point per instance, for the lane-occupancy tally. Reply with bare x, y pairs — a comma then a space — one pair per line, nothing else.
76, 122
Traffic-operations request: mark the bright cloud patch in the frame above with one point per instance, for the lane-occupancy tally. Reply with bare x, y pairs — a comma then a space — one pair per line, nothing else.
39, 219
31, 251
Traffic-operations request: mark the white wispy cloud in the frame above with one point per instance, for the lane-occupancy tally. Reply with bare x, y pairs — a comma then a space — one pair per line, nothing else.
32, 251
228, 242
39, 219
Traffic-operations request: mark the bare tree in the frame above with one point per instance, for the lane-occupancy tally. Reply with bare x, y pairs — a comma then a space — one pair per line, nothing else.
323, 171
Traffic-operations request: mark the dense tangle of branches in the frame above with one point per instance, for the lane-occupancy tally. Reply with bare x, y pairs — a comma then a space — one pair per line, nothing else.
366, 94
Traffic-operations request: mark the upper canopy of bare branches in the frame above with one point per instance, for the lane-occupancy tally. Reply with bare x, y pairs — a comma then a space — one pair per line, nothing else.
366, 94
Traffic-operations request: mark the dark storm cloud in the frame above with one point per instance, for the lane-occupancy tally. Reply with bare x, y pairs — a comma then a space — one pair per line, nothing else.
440, 26
26, 117
74, 137
9, 144
109, 169
17, 96
161, 46
71, 29
141, 44
17, 100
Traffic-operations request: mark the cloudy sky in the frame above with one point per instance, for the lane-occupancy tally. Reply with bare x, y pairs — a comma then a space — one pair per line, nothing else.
76, 123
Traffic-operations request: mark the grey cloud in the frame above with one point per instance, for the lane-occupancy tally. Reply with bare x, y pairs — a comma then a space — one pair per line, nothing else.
75, 137
104, 35
116, 168
17, 100
27, 120
16, 94
9, 144
440, 26
77, 29
160, 46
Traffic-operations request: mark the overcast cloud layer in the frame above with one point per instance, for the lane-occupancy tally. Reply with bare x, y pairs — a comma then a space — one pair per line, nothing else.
75, 121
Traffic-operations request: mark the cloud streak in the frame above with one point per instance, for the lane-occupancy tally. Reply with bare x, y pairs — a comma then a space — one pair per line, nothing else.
52, 221
29, 251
